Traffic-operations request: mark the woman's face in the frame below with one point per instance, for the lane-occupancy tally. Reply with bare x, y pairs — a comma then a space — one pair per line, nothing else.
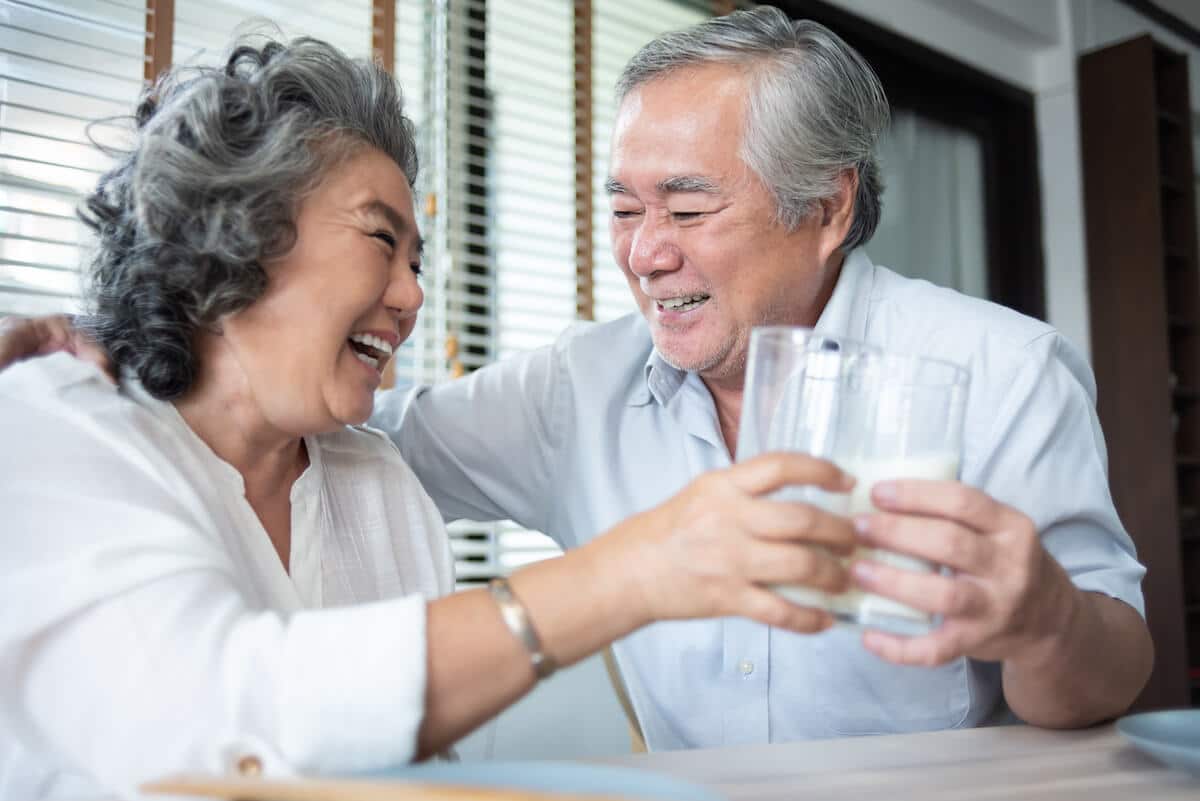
313, 347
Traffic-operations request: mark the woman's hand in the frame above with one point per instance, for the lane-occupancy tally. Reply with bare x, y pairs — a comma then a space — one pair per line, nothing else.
712, 549
26, 337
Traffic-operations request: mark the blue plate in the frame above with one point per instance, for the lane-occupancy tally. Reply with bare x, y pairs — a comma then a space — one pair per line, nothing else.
1172, 736
557, 777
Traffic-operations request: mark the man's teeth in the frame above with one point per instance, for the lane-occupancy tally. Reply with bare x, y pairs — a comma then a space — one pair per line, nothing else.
367, 360
682, 303
372, 341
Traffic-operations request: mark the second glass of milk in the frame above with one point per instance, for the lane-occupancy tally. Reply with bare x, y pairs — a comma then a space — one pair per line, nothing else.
878, 415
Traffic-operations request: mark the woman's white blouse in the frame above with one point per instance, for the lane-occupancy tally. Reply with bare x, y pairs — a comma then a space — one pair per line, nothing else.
146, 623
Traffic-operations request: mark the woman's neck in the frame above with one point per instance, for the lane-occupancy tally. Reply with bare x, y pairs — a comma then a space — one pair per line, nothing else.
222, 410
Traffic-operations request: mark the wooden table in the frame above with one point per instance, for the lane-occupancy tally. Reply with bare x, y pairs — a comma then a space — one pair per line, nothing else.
1018, 762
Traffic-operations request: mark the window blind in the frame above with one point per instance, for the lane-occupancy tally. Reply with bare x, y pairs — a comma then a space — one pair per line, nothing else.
62, 65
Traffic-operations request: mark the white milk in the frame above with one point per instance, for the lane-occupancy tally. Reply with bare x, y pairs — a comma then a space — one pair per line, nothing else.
854, 605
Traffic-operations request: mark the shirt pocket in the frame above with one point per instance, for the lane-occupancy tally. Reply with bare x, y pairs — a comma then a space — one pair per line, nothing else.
859, 693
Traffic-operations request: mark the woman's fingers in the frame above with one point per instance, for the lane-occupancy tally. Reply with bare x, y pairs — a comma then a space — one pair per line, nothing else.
772, 471
799, 522
765, 606
786, 563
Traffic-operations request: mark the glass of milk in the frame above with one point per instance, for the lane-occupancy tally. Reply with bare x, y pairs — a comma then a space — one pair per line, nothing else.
878, 415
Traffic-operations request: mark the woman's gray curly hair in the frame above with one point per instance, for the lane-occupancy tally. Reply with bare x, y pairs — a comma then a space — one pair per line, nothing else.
210, 190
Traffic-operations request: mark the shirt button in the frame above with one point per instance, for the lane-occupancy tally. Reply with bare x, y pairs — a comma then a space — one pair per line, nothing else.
746, 666
249, 766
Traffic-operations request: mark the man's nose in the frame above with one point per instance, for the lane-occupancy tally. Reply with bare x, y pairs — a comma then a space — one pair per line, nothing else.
653, 248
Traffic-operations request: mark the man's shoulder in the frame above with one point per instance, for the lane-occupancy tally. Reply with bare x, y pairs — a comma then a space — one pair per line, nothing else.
606, 357
919, 317
626, 338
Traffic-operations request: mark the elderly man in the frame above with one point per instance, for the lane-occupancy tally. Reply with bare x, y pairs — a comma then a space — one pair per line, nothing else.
743, 188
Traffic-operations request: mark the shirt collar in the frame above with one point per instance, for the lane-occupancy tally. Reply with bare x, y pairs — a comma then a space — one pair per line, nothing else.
661, 381
845, 315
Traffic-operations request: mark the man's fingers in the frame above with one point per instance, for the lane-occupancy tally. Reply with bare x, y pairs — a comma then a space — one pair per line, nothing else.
951, 500
937, 540
929, 650
772, 471
800, 522
782, 563
950, 596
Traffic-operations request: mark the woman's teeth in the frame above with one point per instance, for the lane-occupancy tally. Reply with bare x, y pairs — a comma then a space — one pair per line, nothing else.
370, 349
683, 303
372, 341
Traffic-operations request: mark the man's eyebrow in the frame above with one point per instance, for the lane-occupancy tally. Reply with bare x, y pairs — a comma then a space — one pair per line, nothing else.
614, 187
687, 183
667, 186
394, 217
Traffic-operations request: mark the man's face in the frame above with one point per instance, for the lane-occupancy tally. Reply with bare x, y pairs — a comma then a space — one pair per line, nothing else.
693, 228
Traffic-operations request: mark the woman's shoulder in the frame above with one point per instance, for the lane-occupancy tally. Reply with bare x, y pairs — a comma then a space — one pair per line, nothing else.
365, 452
55, 376
62, 395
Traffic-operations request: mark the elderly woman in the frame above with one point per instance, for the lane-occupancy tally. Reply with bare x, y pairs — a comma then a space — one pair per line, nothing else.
211, 563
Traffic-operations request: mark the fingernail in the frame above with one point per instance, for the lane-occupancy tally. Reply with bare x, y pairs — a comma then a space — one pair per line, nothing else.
862, 526
864, 573
885, 491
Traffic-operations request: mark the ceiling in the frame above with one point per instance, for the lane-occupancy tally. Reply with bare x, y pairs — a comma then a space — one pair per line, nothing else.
1186, 10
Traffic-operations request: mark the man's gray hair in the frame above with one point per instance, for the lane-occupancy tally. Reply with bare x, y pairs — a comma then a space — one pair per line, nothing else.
210, 189
815, 109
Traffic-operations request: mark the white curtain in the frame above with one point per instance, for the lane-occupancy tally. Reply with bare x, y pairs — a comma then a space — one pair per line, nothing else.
933, 216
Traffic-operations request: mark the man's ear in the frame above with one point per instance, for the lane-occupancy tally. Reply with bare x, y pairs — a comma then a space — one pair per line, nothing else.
837, 213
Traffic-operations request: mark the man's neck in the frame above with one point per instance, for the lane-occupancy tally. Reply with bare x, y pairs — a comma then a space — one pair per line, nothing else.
727, 398
727, 391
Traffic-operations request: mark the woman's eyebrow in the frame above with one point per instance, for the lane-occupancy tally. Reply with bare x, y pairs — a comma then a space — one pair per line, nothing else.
393, 217
384, 210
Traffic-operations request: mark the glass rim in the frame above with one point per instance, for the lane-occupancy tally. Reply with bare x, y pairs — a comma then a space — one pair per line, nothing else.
958, 374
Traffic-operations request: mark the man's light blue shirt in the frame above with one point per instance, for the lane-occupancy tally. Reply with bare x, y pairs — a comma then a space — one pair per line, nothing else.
575, 437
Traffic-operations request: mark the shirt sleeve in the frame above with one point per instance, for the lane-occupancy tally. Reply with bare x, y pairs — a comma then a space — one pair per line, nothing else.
1044, 454
130, 648
485, 446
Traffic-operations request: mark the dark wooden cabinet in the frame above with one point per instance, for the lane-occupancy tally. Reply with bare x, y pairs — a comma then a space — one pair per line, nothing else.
1144, 292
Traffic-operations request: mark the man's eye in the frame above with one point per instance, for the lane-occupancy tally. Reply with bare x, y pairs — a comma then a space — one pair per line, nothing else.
621, 214
386, 237
416, 268
686, 215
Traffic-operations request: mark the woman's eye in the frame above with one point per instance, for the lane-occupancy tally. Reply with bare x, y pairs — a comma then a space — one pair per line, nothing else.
416, 268
386, 237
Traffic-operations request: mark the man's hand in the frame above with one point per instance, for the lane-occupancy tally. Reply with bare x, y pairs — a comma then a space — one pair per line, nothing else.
26, 337
1069, 658
1006, 595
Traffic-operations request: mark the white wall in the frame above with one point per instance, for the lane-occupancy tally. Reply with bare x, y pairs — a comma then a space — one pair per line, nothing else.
1033, 44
